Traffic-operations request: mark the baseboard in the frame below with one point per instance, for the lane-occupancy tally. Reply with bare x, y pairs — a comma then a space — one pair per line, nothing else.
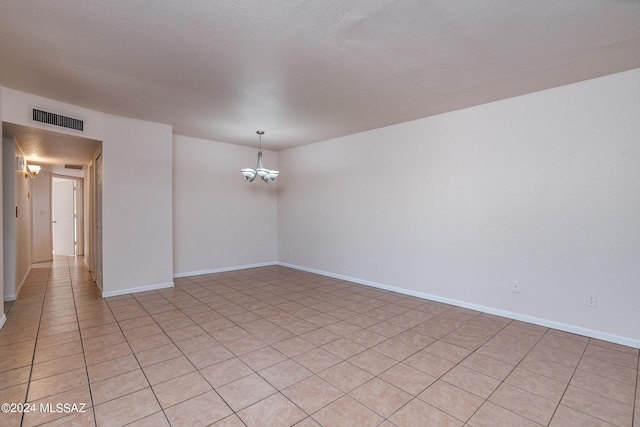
137, 289
224, 269
626, 341
3, 320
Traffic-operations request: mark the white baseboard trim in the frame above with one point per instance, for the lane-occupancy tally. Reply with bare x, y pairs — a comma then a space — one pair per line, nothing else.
137, 289
3, 320
224, 269
617, 339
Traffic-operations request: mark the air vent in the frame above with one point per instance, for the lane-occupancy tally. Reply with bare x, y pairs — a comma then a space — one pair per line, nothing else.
76, 167
57, 120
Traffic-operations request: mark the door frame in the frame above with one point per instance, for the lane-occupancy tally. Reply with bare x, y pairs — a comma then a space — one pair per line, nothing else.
79, 210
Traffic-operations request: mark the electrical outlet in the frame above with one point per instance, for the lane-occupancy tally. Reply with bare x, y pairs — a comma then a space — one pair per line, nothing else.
592, 300
516, 288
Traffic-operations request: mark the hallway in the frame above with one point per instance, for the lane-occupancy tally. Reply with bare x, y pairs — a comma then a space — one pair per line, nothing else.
273, 346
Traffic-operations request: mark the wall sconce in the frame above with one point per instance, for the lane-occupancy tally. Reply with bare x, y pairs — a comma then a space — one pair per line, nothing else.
32, 171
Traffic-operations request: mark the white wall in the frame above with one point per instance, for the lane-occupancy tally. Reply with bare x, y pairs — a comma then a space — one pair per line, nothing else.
22, 224
17, 221
3, 316
9, 225
541, 189
220, 220
136, 205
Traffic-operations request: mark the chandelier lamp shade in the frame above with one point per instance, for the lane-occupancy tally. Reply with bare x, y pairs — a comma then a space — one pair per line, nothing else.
267, 175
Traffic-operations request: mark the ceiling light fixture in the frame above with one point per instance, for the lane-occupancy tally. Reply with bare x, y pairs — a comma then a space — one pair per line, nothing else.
32, 171
266, 174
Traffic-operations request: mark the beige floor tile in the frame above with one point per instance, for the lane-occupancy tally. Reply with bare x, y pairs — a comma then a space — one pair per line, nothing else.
54, 367
245, 391
294, 346
52, 340
14, 377
196, 343
158, 354
541, 385
104, 341
56, 352
118, 386
75, 419
168, 369
80, 396
285, 374
146, 330
622, 358
226, 371
15, 394
320, 336
344, 348
105, 354
609, 370
372, 361
180, 389
452, 400
231, 333
244, 345
381, 397
274, 411
429, 363
127, 409
202, 410
345, 376
366, 338
522, 402
262, 358
479, 384
487, 365
491, 415
111, 368
448, 351
317, 360
56, 384
209, 356
598, 406
604, 386
407, 378
148, 343
312, 394
136, 323
418, 412
347, 412
567, 417
233, 421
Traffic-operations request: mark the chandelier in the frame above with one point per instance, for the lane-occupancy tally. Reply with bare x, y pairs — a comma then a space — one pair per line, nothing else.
266, 174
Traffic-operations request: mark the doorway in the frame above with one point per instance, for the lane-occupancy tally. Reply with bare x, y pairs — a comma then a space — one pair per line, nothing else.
65, 214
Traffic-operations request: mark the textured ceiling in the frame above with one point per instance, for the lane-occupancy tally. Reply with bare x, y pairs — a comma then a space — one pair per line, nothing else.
43, 147
305, 71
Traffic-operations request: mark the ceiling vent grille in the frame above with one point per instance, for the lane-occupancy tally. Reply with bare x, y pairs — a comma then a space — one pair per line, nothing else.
57, 120
76, 167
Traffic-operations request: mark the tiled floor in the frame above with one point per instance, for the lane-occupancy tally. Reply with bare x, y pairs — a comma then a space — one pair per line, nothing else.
278, 347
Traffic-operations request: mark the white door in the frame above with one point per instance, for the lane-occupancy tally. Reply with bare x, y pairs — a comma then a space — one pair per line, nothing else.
64, 217
98, 218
